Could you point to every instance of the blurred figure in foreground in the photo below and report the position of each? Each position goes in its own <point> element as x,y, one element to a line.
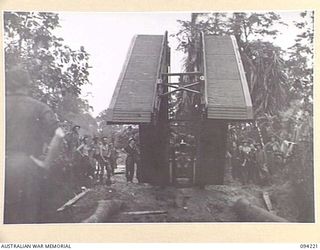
<point>29,125</point>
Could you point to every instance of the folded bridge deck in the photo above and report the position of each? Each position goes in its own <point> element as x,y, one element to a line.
<point>226,90</point>
<point>226,86</point>
<point>133,98</point>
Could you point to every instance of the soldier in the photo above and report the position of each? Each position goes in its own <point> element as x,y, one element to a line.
<point>262,167</point>
<point>84,168</point>
<point>235,160</point>
<point>246,162</point>
<point>272,150</point>
<point>132,155</point>
<point>113,157</point>
<point>73,141</point>
<point>29,125</point>
<point>105,153</point>
<point>96,157</point>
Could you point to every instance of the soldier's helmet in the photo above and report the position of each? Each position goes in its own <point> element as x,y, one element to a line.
<point>16,78</point>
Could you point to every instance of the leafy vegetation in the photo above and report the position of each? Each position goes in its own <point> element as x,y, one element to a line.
<point>57,71</point>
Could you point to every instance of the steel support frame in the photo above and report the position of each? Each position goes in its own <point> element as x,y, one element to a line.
<point>179,86</point>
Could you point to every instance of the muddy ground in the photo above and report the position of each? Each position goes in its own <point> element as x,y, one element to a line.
<point>212,204</point>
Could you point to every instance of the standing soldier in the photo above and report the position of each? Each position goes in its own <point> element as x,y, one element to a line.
<point>132,155</point>
<point>272,148</point>
<point>29,125</point>
<point>138,164</point>
<point>96,156</point>
<point>261,161</point>
<point>246,162</point>
<point>113,157</point>
<point>235,161</point>
<point>73,141</point>
<point>105,153</point>
<point>84,168</point>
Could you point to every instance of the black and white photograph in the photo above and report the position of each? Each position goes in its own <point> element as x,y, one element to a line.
<point>158,117</point>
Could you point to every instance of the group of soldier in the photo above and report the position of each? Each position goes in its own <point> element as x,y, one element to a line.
<point>90,158</point>
<point>257,163</point>
<point>94,160</point>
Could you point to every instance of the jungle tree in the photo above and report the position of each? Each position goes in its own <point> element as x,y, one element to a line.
<point>57,71</point>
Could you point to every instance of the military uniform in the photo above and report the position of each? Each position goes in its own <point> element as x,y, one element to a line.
<point>96,157</point>
<point>132,157</point>
<point>113,158</point>
<point>105,162</point>
<point>73,142</point>
<point>84,168</point>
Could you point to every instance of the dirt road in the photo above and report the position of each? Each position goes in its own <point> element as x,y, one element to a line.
<point>213,204</point>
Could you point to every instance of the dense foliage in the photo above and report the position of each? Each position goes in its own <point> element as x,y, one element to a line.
<point>57,71</point>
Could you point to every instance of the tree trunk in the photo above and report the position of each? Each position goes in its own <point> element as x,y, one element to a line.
<point>105,209</point>
<point>250,213</point>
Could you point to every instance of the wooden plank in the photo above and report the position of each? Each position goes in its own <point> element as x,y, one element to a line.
<point>235,117</point>
<point>71,202</point>
<point>115,122</point>
<point>228,95</point>
<point>162,68</point>
<point>267,200</point>
<point>128,119</point>
<point>211,115</point>
<point>205,71</point>
<point>230,113</point>
<point>227,113</point>
<point>213,110</point>
<point>222,67</point>
<point>228,117</point>
<point>227,107</point>
<point>133,111</point>
<point>122,73</point>
<point>135,89</point>
<point>134,114</point>
<point>243,78</point>
<point>220,46</point>
<point>131,118</point>
<point>145,212</point>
